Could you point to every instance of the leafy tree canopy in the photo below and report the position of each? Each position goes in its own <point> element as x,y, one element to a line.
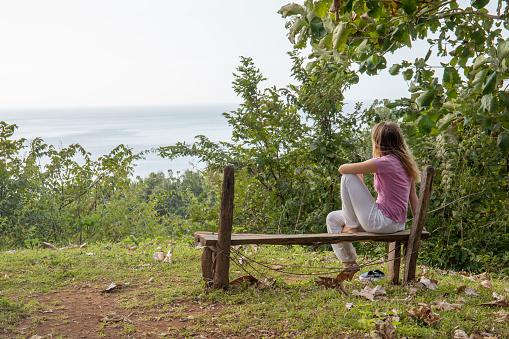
<point>470,41</point>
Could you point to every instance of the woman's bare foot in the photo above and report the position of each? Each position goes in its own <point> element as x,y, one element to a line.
<point>347,229</point>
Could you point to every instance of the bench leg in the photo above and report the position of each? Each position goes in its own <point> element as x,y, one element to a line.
<point>394,263</point>
<point>207,260</point>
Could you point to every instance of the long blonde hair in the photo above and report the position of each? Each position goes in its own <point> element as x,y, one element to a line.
<point>388,139</point>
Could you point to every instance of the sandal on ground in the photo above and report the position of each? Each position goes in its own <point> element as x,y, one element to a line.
<point>372,275</point>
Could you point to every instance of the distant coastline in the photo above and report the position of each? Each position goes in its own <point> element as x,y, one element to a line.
<point>100,129</point>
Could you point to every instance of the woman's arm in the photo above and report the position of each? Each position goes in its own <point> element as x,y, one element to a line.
<point>413,198</point>
<point>365,167</point>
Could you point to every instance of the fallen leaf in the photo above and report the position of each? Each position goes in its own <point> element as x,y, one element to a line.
<point>49,245</point>
<point>424,313</point>
<point>36,337</point>
<point>487,284</point>
<point>246,279</point>
<point>483,276</point>
<point>158,256</point>
<point>349,306</point>
<point>131,248</point>
<point>460,334</point>
<point>370,293</point>
<point>11,252</point>
<point>385,330</point>
<point>469,291</point>
<point>431,284</point>
<point>445,306</point>
<point>504,316</point>
<point>114,287</point>
<point>331,283</point>
<point>442,272</point>
<point>413,291</point>
<point>168,256</point>
<point>145,265</point>
<point>346,275</point>
<point>461,300</point>
<point>475,336</point>
<point>277,267</point>
<point>114,318</point>
<point>500,302</point>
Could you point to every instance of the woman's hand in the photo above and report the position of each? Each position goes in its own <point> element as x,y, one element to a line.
<point>365,167</point>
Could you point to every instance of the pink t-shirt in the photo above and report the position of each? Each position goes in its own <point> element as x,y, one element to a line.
<point>392,183</point>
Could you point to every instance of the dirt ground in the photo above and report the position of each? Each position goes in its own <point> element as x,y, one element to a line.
<point>85,312</point>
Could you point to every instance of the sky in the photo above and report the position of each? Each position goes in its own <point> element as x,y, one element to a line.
<point>90,53</point>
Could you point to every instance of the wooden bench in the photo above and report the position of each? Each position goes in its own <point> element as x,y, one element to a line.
<point>215,257</point>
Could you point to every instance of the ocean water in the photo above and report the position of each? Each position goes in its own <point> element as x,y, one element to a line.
<point>99,130</point>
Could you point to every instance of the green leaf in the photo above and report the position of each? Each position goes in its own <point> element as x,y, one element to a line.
<point>409,6</point>
<point>394,70</point>
<point>408,73</point>
<point>317,29</point>
<point>427,55</point>
<point>489,103</point>
<point>363,47</point>
<point>480,60</point>
<point>340,35</point>
<point>372,61</point>
<point>347,8</point>
<point>391,105</point>
<point>291,9</point>
<point>296,27</point>
<point>322,8</point>
<point>503,142</point>
<point>425,125</point>
<point>426,98</point>
<point>491,84</point>
<point>446,121</point>
<point>448,105</point>
<point>479,78</point>
<point>451,77</point>
<point>413,88</point>
<point>480,3</point>
<point>503,50</point>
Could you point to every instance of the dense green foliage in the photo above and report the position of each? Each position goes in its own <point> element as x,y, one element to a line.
<point>287,143</point>
<point>64,196</point>
<point>457,115</point>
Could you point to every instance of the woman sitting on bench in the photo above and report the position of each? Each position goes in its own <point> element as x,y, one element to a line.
<point>395,176</point>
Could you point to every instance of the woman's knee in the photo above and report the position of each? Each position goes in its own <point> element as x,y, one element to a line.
<point>334,221</point>
<point>348,177</point>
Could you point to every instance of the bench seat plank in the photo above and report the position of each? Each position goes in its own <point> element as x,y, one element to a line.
<point>210,238</point>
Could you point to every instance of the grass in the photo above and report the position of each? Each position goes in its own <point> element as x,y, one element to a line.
<point>175,297</point>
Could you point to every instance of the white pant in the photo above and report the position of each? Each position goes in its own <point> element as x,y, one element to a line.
<point>359,211</point>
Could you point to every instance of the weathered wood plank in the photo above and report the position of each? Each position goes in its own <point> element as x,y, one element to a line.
<point>207,259</point>
<point>222,269</point>
<point>210,238</point>
<point>414,240</point>
<point>394,263</point>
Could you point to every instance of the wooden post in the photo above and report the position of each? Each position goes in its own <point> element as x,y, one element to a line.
<point>221,274</point>
<point>394,263</point>
<point>414,239</point>
<point>207,259</point>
